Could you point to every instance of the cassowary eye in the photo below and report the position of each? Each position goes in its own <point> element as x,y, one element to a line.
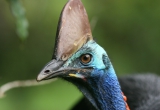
<point>85,58</point>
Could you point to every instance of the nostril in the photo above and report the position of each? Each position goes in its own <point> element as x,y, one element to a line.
<point>47,71</point>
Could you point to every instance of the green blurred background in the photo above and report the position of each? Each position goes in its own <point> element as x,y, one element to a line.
<point>128,29</point>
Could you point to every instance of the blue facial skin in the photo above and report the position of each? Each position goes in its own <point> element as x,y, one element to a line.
<point>101,86</point>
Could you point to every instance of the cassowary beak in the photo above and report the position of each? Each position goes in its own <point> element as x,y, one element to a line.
<point>51,70</point>
<point>56,69</point>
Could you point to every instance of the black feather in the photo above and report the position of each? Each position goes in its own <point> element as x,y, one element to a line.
<point>142,91</point>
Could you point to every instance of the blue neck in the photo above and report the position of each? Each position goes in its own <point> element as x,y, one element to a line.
<point>100,86</point>
<point>106,89</point>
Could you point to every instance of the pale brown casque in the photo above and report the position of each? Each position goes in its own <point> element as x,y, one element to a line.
<point>73,30</point>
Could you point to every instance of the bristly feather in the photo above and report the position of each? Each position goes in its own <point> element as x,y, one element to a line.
<point>142,91</point>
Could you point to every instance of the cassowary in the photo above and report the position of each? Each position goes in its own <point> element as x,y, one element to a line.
<point>80,60</point>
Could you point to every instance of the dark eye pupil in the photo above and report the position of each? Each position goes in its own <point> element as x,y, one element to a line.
<point>86,58</point>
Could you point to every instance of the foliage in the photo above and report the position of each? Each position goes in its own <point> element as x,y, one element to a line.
<point>19,13</point>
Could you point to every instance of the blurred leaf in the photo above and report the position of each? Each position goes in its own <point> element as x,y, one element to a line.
<point>19,13</point>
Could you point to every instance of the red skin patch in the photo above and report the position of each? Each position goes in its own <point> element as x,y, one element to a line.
<point>125,99</point>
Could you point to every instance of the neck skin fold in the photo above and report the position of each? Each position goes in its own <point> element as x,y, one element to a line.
<point>106,90</point>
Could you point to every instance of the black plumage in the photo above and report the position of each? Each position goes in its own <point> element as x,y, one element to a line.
<point>142,91</point>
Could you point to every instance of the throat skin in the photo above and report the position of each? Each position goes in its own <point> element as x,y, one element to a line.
<point>106,90</point>
<point>102,90</point>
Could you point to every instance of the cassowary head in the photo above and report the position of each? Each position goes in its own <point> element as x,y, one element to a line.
<point>79,59</point>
